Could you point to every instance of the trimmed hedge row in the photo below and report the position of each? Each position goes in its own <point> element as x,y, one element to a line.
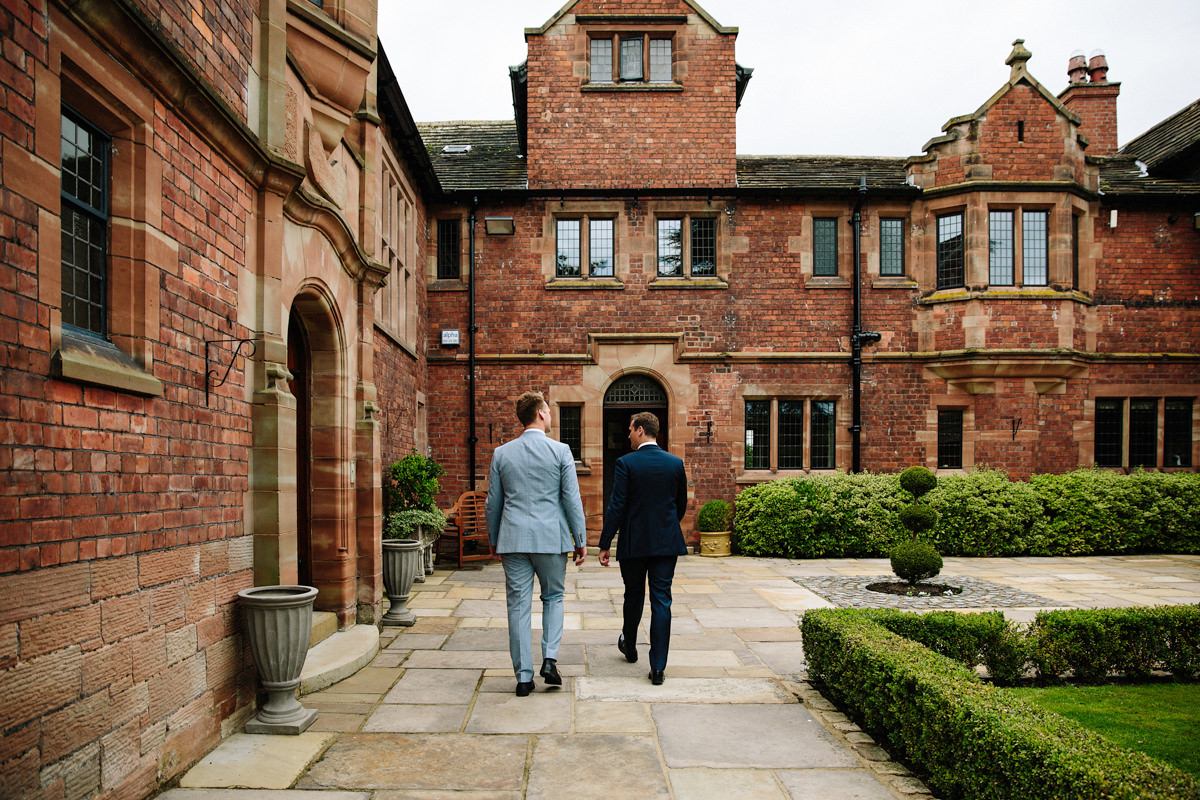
<point>1091,643</point>
<point>983,513</point>
<point>967,737</point>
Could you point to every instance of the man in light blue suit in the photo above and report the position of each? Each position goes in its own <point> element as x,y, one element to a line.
<point>535,518</point>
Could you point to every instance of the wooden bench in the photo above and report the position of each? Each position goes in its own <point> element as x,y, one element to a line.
<point>466,537</point>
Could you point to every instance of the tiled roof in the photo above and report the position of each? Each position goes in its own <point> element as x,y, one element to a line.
<point>493,162</point>
<point>1168,139</point>
<point>1122,175</point>
<point>820,172</point>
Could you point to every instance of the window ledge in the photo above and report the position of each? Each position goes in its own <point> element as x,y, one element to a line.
<point>764,475</point>
<point>688,283</point>
<point>447,286</point>
<point>894,282</point>
<point>585,284</point>
<point>1032,293</point>
<point>826,282</point>
<point>631,87</point>
<point>100,363</point>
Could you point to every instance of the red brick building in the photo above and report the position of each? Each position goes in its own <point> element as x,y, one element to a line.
<point>236,279</point>
<point>1019,296</point>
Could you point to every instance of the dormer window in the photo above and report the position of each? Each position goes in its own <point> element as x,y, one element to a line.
<point>640,59</point>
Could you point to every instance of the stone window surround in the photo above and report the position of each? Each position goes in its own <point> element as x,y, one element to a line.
<point>585,245</point>
<point>1018,242</point>
<point>929,436</point>
<point>1064,208</point>
<point>89,81</point>
<point>614,28</point>
<point>774,393</point>
<point>396,313</point>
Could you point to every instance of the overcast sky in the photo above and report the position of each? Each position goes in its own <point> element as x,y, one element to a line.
<point>868,77</point>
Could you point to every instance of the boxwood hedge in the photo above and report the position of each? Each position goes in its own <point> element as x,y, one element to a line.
<point>967,738</point>
<point>1086,512</point>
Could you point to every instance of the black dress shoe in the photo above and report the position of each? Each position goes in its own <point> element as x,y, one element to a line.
<point>550,672</point>
<point>656,677</point>
<point>523,689</point>
<point>629,651</point>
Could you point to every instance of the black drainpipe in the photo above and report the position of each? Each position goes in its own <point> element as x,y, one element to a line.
<point>858,336</point>
<point>472,439</point>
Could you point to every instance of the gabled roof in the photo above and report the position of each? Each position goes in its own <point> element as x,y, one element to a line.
<point>1019,73</point>
<point>562,12</point>
<point>1174,139</point>
<point>483,156</point>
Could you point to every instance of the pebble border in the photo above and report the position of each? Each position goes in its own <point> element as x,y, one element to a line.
<point>850,591</point>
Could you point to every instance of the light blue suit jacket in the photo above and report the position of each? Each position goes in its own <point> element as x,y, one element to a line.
<point>533,503</point>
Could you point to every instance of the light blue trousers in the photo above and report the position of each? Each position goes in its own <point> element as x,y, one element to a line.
<point>551,571</point>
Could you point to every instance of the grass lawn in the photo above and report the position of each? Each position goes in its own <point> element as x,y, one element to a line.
<point>1161,720</point>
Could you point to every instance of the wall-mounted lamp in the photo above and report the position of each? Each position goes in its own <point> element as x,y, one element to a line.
<point>1196,222</point>
<point>499,226</point>
<point>634,208</point>
<point>707,432</point>
<point>730,216</point>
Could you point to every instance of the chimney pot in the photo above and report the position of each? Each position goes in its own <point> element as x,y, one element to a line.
<point>1077,67</point>
<point>1097,67</point>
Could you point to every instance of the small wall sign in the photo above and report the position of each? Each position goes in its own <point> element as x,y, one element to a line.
<point>450,338</point>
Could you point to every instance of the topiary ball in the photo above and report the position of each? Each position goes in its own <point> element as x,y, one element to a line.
<point>915,561</point>
<point>917,481</point>
<point>713,517</point>
<point>918,517</point>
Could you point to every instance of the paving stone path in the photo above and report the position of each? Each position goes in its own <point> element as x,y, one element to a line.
<point>434,714</point>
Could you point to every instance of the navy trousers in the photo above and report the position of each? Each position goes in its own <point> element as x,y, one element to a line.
<point>658,571</point>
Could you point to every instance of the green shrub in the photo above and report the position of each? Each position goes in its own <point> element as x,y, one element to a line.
<point>918,518</point>
<point>713,516</point>
<point>980,514</point>
<point>986,514</point>
<point>968,739</point>
<point>411,483</point>
<point>915,561</point>
<point>1092,643</point>
<point>917,481</point>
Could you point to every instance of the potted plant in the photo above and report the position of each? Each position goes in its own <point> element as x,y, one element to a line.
<point>410,488</point>
<point>713,524</point>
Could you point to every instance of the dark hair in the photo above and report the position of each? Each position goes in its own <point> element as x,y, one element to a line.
<point>647,422</point>
<point>528,406</point>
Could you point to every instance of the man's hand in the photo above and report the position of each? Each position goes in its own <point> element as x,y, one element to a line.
<point>580,556</point>
<point>604,558</point>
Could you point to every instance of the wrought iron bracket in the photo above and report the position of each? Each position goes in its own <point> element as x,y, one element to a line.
<point>210,375</point>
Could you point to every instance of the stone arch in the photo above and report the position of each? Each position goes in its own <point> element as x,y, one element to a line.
<point>321,384</point>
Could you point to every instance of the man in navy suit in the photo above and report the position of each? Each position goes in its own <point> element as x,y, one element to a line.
<point>534,518</point>
<point>649,498</point>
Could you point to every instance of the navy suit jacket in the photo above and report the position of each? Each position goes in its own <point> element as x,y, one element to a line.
<point>649,498</point>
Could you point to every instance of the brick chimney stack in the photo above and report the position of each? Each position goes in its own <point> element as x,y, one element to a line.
<point>1094,99</point>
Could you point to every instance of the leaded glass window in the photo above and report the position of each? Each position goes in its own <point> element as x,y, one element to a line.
<point>85,174</point>
<point>602,61</point>
<point>758,434</point>
<point>704,246</point>
<point>824,434</point>
<point>950,438</point>
<point>825,247</point>
<point>1000,248</point>
<point>660,60</point>
<point>791,434</point>
<point>635,390</point>
<point>631,59</point>
<point>1036,250</point>
<point>449,243</point>
<point>1143,432</point>
<point>567,260</point>
<point>1177,432</point>
<point>891,247</point>
<point>670,247</point>
<point>951,264</point>
<point>600,248</point>
<point>1110,432</point>
<point>570,429</point>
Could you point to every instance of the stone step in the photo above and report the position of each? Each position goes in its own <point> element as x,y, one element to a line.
<point>324,626</point>
<point>338,656</point>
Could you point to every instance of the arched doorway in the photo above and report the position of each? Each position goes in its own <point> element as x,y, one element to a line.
<point>627,396</point>
<point>299,363</point>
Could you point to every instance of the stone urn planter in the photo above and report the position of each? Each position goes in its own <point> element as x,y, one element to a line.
<point>712,523</point>
<point>714,543</point>
<point>401,558</point>
<point>279,625</point>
